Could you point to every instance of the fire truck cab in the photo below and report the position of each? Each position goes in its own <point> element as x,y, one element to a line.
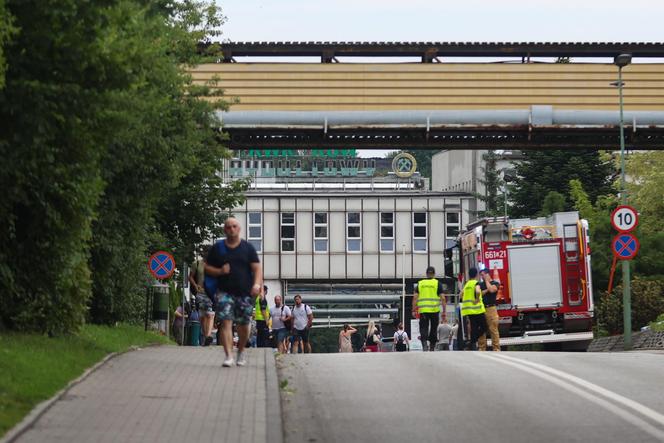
<point>544,269</point>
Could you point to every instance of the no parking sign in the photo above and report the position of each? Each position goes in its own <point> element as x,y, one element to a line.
<point>161,265</point>
<point>625,246</point>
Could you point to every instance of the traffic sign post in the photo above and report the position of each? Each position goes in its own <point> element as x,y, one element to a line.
<point>625,219</point>
<point>161,265</point>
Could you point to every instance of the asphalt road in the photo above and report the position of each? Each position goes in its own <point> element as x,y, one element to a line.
<point>473,397</point>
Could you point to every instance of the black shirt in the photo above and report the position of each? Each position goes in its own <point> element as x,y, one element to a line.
<point>489,298</point>
<point>240,280</point>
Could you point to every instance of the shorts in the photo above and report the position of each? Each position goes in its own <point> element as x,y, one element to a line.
<point>205,305</point>
<point>303,334</point>
<point>280,334</point>
<point>235,308</point>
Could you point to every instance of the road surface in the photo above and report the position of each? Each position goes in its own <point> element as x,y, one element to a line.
<point>473,397</point>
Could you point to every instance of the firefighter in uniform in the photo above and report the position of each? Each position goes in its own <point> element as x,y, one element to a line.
<point>261,316</point>
<point>473,309</point>
<point>428,299</point>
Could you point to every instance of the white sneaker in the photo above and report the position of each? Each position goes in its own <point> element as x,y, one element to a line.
<point>241,359</point>
<point>228,362</point>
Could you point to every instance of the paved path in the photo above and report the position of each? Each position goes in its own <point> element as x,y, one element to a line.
<point>509,397</point>
<point>168,394</point>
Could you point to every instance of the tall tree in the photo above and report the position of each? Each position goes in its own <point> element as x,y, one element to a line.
<point>161,171</point>
<point>551,170</point>
<point>102,126</point>
<point>58,72</point>
<point>492,182</point>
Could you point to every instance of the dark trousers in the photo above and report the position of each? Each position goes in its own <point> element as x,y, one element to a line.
<point>262,334</point>
<point>477,329</point>
<point>429,328</point>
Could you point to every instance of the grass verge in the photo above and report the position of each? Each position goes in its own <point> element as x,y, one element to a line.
<point>35,367</point>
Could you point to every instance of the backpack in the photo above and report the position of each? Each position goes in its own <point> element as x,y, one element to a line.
<point>288,324</point>
<point>400,345</point>
<point>210,284</point>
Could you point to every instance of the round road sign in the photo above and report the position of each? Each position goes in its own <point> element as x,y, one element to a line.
<point>624,218</point>
<point>161,265</point>
<point>625,246</point>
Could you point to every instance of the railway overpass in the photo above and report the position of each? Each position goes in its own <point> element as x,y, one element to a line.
<point>450,97</point>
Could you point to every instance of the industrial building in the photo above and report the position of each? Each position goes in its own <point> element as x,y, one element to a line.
<point>337,234</point>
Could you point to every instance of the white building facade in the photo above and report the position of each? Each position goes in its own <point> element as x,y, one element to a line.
<point>341,236</point>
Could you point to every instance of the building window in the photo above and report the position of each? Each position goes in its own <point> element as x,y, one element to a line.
<point>452,226</point>
<point>288,232</point>
<point>320,232</point>
<point>255,231</point>
<point>419,232</point>
<point>387,232</point>
<point>353,232</point>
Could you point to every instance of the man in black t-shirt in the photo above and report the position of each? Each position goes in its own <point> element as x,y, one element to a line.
<point>240,279</point>
<point>489,289</point>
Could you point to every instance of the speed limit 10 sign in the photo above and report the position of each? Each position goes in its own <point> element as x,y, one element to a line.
<point>624,218</point>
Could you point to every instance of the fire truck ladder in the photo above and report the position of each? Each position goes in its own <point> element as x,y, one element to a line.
<point>571,249</point>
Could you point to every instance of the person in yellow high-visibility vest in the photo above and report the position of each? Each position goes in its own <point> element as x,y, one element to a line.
<point>428,299</point>
<point>472,308</point>
<point>261,315</point>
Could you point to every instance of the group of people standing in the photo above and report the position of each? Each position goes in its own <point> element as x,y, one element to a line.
<point>228,285</point>
<point>371,343</point>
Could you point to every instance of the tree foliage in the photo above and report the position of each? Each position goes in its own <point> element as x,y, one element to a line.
<point>544,171</point>
<point>554,201</point>
<point>645,187</point>
<point>106,134</point>
<point>7,29</point>
<point>492,182</point>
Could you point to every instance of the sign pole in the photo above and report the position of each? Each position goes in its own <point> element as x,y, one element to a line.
<point>613,271</point>
<point>627,299</point>
<point>403,285</point>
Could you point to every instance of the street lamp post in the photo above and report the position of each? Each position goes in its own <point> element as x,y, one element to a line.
<point>621,61</point>
<point>403,285</point>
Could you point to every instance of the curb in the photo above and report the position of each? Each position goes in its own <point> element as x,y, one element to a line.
<point>273,398</point>
<point>38,411</point>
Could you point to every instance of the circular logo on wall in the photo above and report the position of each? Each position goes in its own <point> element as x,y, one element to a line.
<point>404,165</point>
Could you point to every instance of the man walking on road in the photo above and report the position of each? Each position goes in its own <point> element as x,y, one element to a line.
<point>489,288</point>
<point>428,299</point>
<point>303,318</point>
<point>240,280</point>
<point>280,314</point>
<point>472,308</point>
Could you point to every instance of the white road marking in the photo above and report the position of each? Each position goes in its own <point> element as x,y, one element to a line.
<point>555,376</point>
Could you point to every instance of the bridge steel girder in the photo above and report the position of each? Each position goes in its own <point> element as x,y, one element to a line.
<point>428,51</point>
<point>513,137</point>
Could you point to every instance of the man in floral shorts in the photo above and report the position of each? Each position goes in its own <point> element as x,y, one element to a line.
<point>240,279</point>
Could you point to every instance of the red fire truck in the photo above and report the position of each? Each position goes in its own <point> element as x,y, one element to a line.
<point>543,265</point>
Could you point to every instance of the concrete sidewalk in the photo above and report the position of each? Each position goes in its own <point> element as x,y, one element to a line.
<point>168,394</point>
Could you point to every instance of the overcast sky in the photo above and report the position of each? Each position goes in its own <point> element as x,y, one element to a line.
<point>443,20</point>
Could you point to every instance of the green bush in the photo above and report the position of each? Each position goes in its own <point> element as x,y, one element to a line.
<point>647,301</point>
<point>658,324</point>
